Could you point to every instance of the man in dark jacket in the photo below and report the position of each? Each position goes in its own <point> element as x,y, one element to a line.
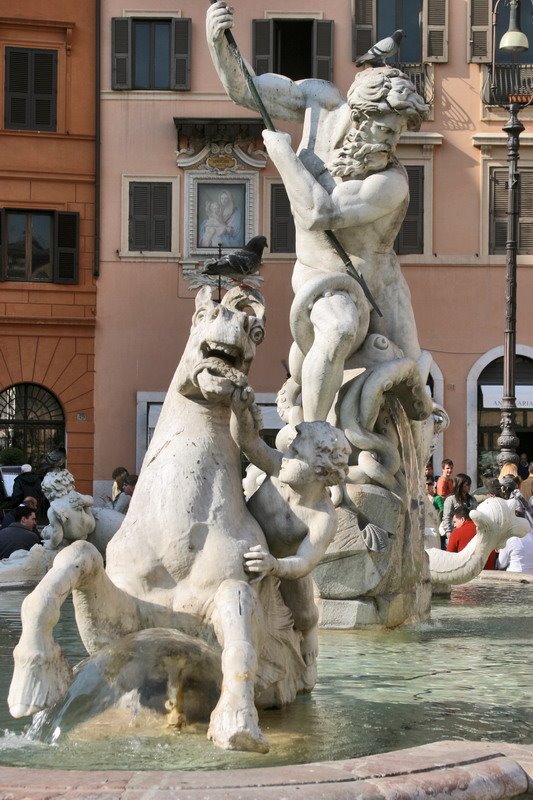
<point>19,535</point>
<point>9,519</point>
<point>26,484</point>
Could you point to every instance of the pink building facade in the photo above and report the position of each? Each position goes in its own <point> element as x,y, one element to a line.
<point>172,144</point>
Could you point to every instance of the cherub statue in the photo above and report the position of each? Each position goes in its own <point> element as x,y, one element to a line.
<point>293,507</point>
<point>69,515</point>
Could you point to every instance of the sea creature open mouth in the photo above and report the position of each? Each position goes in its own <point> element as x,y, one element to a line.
<point>230,355</point>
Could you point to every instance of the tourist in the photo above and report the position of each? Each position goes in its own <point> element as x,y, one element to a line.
<point>20,534</point>
<point>526,487</point>
<point>122,503</point>
<point>523,466</point>
<point>463,532</point>
<point>445,484</point>
<point>26,484</point>
<point>460,497</point>
<point>517,555</point>
<point>360,190</point>
<point>9,518</point>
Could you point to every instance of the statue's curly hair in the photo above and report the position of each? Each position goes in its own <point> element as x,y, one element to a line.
<point>57,483</point>
<point>387,89</point>
<point>332,449</point>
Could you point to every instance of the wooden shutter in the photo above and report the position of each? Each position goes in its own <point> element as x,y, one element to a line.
<point>161,200</point>
<point>322,49</point>
<point>435,40</point>
<point>3,245</point>
<point>282,233</point>
<point>480,31</point>
<point>525,220</point>
<point>17,99</point>
<point>263,45</point>
<point>139,216</point>
<point>66,240</point>
<point>410,239</point>
<point>44,80</point>
<point>180,55</point>
<point>363,27</point>
<point>498,211</point>
<point>121,53</point>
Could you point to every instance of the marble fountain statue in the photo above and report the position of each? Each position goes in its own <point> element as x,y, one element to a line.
<point>208,599</point>
<point>71,517</point>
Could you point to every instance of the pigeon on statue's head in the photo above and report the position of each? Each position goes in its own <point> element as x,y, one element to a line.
<point>382,50</point>
<point>244,261</point>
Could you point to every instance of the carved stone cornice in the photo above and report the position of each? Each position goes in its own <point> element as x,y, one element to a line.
<point>220,144</point>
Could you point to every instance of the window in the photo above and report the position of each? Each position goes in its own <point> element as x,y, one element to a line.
<point>480,38</point>
<point>498,211</point>
<point>39,246</point>
<point>150,210</point>
<point>410,239</point>
<point>31,89</point>
<point>151,54</point>
<point>282,233</point>
<point>293,47</point>
<point>424,21</point>
<point>31,419</point>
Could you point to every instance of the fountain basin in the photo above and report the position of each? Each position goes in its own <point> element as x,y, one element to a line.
<point>466,675</point>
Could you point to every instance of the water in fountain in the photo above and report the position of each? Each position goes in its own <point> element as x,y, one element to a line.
<point>466,674</point>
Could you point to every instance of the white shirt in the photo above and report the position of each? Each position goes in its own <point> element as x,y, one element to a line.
<point>517,555</point>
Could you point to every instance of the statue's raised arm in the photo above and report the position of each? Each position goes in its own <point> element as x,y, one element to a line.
<point>283,98</point>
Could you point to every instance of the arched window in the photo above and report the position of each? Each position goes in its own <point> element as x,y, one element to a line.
<point>31,419</point>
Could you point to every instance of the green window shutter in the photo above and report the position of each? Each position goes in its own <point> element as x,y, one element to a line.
<point>410,239</point>
<point>121,53</point>
<point>139,216</point>
<point>161,201</point>
<point>150,216</point>
<point>282,233</point>
<point>44,90</point>
<point>498,211</point>
<point>322,49</point>
<point>3,245</point>
<point>17,97</point>
<point>363,27</point>
<point>435,48</point>
<point>263,45</point>
<point>180,56</point>
<point>525,219</point>
<point>66,249</point>
<point>480,31</point>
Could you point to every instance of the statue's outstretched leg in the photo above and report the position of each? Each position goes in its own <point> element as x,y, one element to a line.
<point>234,723</point>
<point>42,674</point>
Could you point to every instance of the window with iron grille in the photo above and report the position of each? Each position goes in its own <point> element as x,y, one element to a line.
<point>30,89</point>
<point>498,211</point>
<point>150,210</point>
<point>39,246</point>
<point>151,54</point>
<point>293,47</point>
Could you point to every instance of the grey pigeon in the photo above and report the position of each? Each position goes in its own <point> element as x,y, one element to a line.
<point>382,50</point>
<point>243,261</point>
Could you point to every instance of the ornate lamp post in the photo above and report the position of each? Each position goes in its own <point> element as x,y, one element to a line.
<point>513,99</point>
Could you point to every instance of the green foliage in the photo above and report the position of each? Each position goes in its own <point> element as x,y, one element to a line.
<point>11,456</point>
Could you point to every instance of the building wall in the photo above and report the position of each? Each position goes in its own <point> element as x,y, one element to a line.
<point>47,329</point>
<point>145,306</point>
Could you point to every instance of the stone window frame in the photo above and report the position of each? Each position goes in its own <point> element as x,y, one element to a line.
<point>149,255</point>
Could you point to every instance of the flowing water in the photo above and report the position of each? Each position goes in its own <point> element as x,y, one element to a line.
<point>466,674</point>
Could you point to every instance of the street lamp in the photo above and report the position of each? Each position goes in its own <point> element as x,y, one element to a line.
<point>514,98</point>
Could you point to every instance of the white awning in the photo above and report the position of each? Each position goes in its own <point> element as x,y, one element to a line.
<point>492,396</point>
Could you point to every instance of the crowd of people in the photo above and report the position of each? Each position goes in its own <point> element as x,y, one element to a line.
<point>450,501</point>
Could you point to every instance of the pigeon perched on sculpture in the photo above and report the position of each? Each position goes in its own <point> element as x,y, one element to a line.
<point>381,51</point>
<point>243,261</point>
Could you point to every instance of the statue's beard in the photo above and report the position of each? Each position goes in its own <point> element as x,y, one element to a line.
<point>357,158</point>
